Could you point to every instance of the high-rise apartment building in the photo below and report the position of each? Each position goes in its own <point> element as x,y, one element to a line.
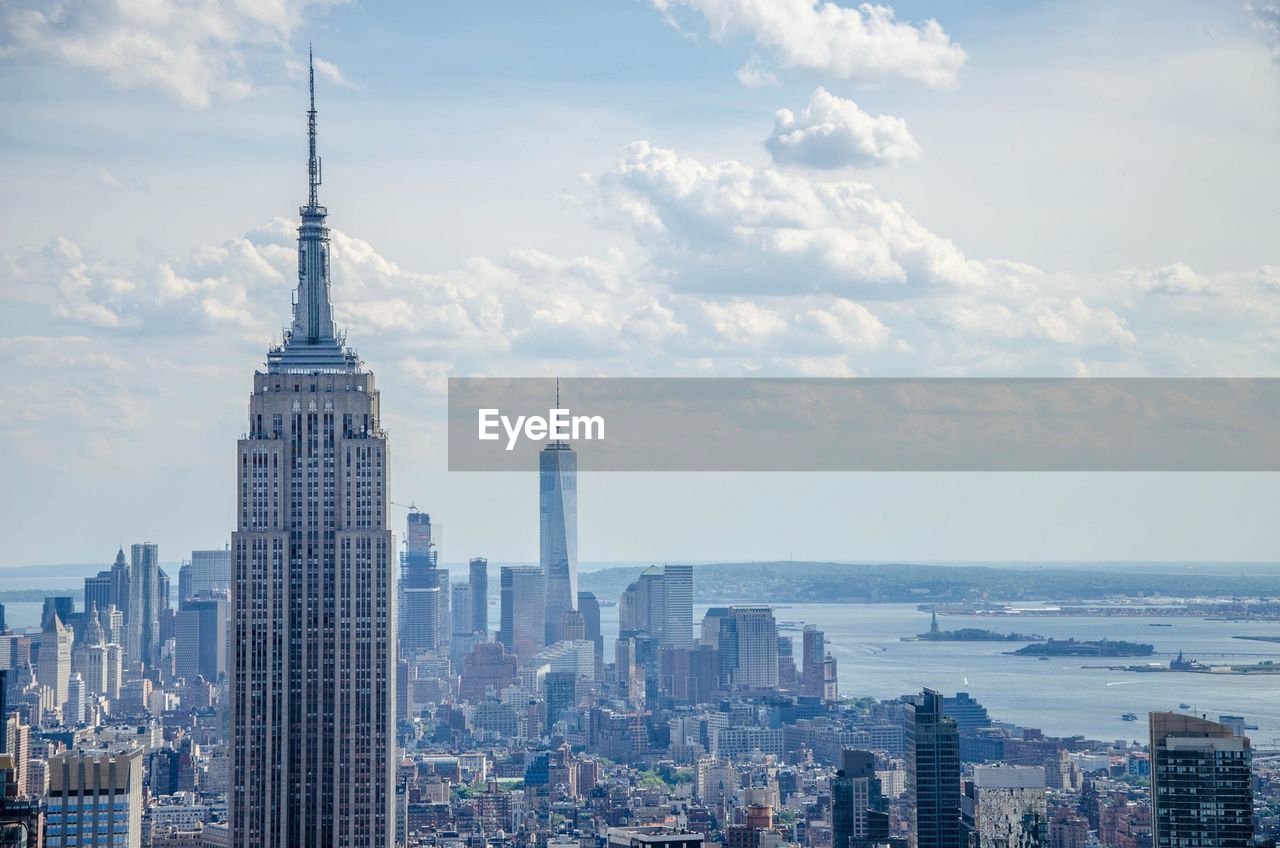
<point>478,580</point>
<point>1201,786</point>
<point>558,532</point>
<point>521,610</point>
<point>95,800</point>
<point>933,774</point>
<point>1005,807</point>
<point>143,618</point>
<point>313,587</point>
<point>859,810</point>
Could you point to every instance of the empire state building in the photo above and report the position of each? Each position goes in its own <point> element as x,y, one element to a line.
<point>313,686</point>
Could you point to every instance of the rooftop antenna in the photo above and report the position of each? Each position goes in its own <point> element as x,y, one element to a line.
<point>557,392</point>
<point>313,164</point>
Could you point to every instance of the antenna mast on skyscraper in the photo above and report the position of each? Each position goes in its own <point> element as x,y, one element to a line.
<point>313,164</point>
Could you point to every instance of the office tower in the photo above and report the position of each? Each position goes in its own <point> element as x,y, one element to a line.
<point>210,571</point>
<point>521,610</point>
<point>164,592</point>
<point>95,800</point>
<point>651,602</point>
<point>143,618</point>
<point>720,633</point>
<point>55,659</point>
<point>487,670</point>
<point>63,607</point>
<point>786,663</point>
<point>753,635</point>
<point>1005,807</point>
<point>184,584</point>
<point>859,810</point>
<point>933,774</point>
<point>77,700</point>
<point>590,609</point>
<point>462,609</point>
<point>558,530</point>
<point>313,663</point>
<point>200,644</point>
<point>813,651</point>
<point>87,658</point>
<point>677,630</point>
<point>1200,784</point>
<point>119,584</point>
<point>478,579</point>
<point>660,603</point>
<point>561,689</point>
<point>419,624</point>
<point>463,638</point>
<point>97,591</point>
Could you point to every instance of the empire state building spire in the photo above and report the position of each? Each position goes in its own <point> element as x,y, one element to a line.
<point>312,343</point>
<point>313,596</point>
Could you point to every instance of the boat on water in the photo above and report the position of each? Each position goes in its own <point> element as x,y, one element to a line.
<point>1130,716</point>
<point>1044,659</point>
<point>1184,706</point>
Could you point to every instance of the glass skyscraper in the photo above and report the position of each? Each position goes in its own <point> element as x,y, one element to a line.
<point>558,532</point>
<point>933,774</point>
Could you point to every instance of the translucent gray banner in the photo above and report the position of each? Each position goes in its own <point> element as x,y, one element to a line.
<point>749,424</point>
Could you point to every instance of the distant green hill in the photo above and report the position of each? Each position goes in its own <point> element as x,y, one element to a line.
<point>818,582</point>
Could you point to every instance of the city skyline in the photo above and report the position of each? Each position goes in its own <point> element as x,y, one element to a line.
<point>1057,275</point>
<point>724,189</point>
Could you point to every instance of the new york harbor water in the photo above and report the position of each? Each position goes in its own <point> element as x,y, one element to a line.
<point>1061,696</point>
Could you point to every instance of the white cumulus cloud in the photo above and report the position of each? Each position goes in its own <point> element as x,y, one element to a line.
<point>865,44</point>
<point>1266,20</point>
<point>192,52</point>
<point>832,132</point>
<point>727,226</point>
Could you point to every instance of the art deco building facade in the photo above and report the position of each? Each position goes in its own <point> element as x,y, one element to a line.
<point>313,666</point>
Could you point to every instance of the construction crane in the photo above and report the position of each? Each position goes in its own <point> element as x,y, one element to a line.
<point>412,506</point>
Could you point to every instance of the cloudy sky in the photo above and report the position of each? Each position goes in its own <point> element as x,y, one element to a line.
<point>633,187</point>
